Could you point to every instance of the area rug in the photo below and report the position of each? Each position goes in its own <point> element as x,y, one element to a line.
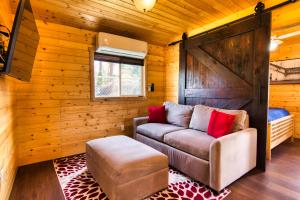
<point>77,183</point>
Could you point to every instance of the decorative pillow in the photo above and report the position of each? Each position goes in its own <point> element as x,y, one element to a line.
<point>201,117</point>
<point>157,114</point>
<point>220,124</point>
<point>179,115</point>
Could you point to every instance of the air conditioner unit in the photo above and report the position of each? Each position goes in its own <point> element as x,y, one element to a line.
<point>121,46</point>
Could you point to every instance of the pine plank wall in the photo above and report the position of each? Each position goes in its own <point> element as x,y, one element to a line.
<point>172,72</point>
<point>7,101</point>
<point>287,96</point>
<point>54,114</point>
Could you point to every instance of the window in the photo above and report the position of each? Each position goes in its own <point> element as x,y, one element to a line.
<point>115,76</point>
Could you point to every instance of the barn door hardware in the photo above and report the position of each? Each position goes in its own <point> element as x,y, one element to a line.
<point>259,8</point>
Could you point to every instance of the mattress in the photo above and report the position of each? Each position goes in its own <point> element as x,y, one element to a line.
<point>277,113</point>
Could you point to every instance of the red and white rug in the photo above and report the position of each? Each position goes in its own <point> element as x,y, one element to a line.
<point>78,184</point>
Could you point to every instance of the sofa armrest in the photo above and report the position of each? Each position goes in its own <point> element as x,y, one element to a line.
<point>138,121</point>
<point>231,157</point>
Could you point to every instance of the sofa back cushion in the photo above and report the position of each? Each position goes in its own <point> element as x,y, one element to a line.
<point>177,114</point>
<point>201,116</point>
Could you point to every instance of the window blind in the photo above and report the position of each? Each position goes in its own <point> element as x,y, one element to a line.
<point>118,59</point>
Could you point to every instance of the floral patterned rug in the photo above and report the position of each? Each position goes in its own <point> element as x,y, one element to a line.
<point>77,183</point>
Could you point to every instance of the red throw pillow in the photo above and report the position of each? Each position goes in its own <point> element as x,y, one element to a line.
<point>157,114</point>
<point>220,124</point>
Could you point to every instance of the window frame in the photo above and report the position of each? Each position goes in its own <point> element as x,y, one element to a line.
<point>124,97</point>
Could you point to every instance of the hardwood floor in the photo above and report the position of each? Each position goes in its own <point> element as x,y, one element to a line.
<point>36,182</point>
<point>281,181</point>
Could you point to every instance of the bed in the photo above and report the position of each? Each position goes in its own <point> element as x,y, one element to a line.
<point>280,128</point>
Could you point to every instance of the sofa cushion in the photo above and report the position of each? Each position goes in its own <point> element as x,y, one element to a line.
<point>156,130</point>
<point>201,117</point>
<point>178,114</point>
<point>191,141</point>
<point>220,124</point>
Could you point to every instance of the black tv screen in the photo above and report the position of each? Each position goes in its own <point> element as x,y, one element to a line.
<point>23,43</point>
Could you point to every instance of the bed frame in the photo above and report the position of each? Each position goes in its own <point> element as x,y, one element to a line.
<point>278,131</point>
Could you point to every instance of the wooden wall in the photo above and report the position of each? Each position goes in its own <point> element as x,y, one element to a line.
<point>55,116</point>
<point>286,20</point>
<point>7,140</point>
<point>172,72</point>
<point>287,96</point>
<point>289,49</point>
<point>7,100</point>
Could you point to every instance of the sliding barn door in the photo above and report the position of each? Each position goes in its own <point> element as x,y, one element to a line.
<point>228,68</point>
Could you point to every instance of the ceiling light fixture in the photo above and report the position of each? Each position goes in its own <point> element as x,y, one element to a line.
<point>144,5</point>
<point>274,44</point>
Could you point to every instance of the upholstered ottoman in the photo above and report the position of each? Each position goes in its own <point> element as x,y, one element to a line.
<point>125,168</point>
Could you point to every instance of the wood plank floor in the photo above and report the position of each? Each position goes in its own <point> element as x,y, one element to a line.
<point>36,182</point>
<point>281,181</point>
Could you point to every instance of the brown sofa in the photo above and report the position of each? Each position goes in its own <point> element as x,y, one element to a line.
<point>213,162</point>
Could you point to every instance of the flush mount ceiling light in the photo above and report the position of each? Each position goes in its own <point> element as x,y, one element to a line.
<point>276,41</point>
<point>274,44</point>
<point>144,5</point>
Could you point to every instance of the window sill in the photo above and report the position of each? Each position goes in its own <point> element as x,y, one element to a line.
<point>119,99</point>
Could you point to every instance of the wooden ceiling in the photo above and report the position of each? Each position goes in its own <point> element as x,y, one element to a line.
<point>167,20</point>
<point>286,20</point>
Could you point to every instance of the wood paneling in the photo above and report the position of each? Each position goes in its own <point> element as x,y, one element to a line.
<point>287,96</point>
<point>163,24</point>
<point>7,140</point>
<point>172,72</point>
<point>168,19</point>
<point>5,14</point>
<point>286,20</point>
<point>278,21</point>
<point>7,101</point>
<point>289,49</point>
<point>54,114</point>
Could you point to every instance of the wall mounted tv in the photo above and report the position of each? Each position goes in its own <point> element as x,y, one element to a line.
<point>23,43</point>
